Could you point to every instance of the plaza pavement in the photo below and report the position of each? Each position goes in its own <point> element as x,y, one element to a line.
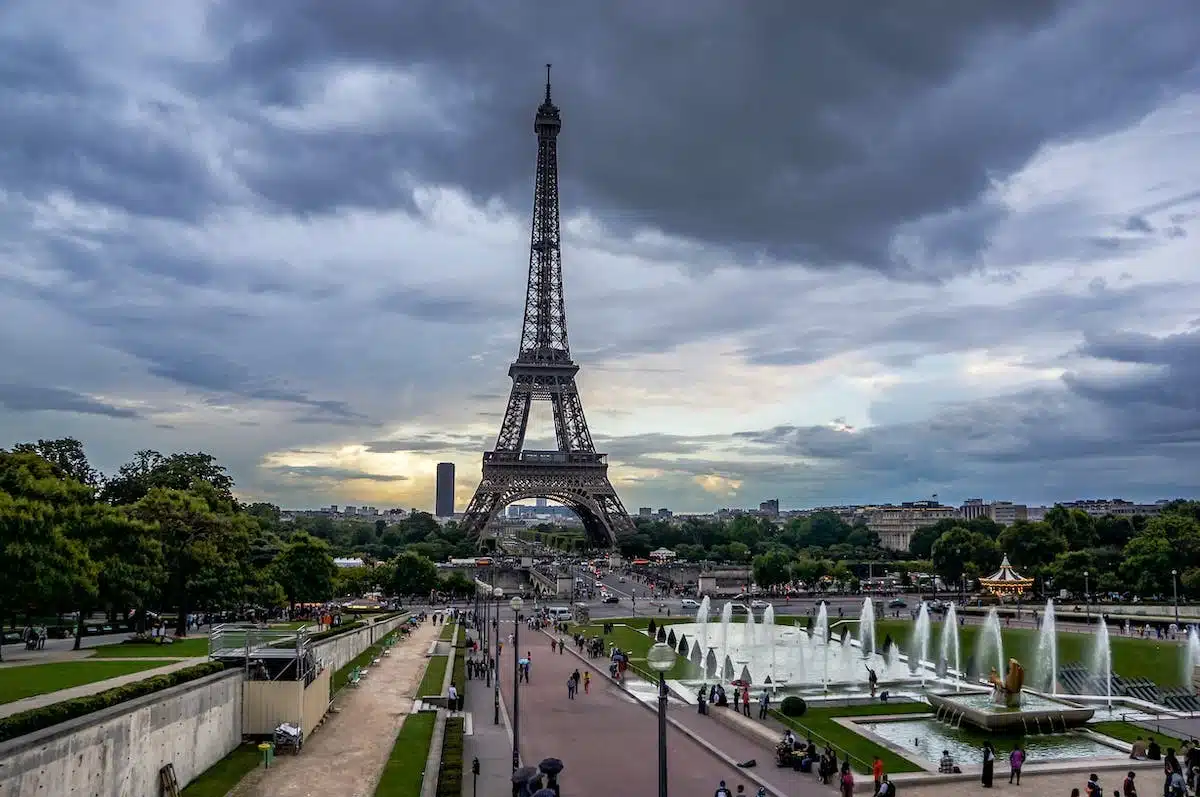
<point>607,742</point>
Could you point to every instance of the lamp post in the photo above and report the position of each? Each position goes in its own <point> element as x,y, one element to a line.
<point>1175,589</point>
<point>516,604</point>
<point>661,658</point>
<point>497,594</point>
<point>1087,599</point>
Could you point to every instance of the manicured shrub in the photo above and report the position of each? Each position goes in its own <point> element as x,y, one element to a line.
<point>662,634</point>
<point>682,647</point>
<point>652,629</point>
<point>451,771</point>
<point>671,638</point>
<point>793,706</point>
<point>36,719</point>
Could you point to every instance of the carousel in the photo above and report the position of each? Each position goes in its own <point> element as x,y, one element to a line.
<point>1006,582</point>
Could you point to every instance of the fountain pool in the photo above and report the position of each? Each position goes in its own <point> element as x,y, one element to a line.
<point>927,738</point>
<point>1036,712</point>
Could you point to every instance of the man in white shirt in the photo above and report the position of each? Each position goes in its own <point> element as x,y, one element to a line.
<point>452,702</point>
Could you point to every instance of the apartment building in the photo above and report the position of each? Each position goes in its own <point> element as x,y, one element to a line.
<point>895,525</point>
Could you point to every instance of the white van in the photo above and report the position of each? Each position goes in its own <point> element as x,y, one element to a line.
<point>560,614</point>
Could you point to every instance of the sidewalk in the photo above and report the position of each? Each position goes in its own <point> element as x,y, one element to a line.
<point>50,698</point>
<point>607,742</point>
<point>489,742</point>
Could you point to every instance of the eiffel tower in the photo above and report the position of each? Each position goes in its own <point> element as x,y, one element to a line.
<point>573,474</point>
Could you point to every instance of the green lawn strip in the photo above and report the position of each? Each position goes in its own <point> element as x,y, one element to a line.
<point>435,673</point>
<point>219,779</point>
<point>450,773</point>
<point>818,724</point>
<point>637,644</point>
<point>183,648</point>
<point>1128,732</point>
<point>447,632</point>
<point>458,676</point>
<point>342,676</point>
<point>405,767</point>
<point>30,680</point>
<point>1132,657</point>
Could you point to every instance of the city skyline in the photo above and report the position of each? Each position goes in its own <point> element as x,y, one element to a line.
<point>823,262</point>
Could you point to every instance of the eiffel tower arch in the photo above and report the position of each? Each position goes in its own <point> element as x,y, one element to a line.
<point>573,474</point>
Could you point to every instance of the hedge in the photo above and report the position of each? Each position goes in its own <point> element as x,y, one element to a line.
<point>337,630</point>
<point>36,719</point>
<point>450,774</point>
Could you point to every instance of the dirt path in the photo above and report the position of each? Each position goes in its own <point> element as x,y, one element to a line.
<point>346,755</point>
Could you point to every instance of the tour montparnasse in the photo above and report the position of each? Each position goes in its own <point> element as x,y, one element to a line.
<point>572,474</point>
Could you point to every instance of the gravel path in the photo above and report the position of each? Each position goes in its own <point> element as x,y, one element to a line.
<point>346,755</point>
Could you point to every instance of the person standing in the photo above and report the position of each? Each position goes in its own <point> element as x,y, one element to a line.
<point>764,704</point>
<point>1016,759</point>
<point>587,682</point>
<point>452,699</point>
<point>570,687</point>
<point>989,764</point>
<point>847,780</point>
<point>877,772</point>
<point>746,701</point>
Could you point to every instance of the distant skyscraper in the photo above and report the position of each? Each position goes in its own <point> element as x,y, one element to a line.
<point>444,500</point>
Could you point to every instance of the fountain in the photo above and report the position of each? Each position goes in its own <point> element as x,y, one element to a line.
<point>950,645</point>
<point>751,635</point>
<point>768,635</point>
<point>1102,660</point>
<point>920,647</point>
<point>1047,651</point>
<point>1008,708</point>
<point>702,623</point>
<point>723,631</point>
<point>866,628</point>
<point>991,644</point>
<point>1191,664</point>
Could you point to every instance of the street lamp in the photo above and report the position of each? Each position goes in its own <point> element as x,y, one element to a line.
<point>516,604</point>
<point>1175,589</point>
<point>1087,599</point>
<point>497,594</point>
<point>661,657</point>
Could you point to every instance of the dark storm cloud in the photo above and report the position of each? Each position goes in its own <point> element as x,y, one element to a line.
<point>316,472</point>
<point>32,398</point>
<point>811,131</point>
<point>64,128</point>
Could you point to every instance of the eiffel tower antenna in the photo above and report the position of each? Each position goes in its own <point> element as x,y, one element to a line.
<point>572,474</point>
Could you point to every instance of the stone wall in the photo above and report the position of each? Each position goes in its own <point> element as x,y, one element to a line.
<point>340,650</point>
<point>118,752</point>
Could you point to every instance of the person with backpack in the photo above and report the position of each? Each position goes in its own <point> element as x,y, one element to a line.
<point>723,791</point>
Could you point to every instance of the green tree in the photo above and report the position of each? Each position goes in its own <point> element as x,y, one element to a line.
<point>772,568</point>
<point>961,552</point>
<point>150,469</point>
<point>66,454</point>
<point>305,570</point>
<point>1031,545</point>
<point>128,557</point>
<point>413,574</point>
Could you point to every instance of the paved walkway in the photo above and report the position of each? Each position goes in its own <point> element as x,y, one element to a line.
<point>37,701</point>
<point>490,742</point>
<point>1057,785</point>
<point>607,742</point>
<point>346,755</point>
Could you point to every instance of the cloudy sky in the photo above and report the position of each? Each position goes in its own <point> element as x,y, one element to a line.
<point>810,253</point>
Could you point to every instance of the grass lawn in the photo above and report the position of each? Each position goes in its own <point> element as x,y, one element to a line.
<point>183,649</point>
<point>817,724</point>
<point>435,673</point>
<point>17,683</point>
<point>340,677</point>
<point>221,777</point>
<point>1128,732</point>
<point>405,767</point>
<point>447,632</point>
<point>636,644</point>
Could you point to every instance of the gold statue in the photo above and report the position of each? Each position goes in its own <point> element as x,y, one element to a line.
<point>1008,691</point>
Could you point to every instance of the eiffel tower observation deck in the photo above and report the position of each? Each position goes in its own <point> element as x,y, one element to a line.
<point>574,474</point>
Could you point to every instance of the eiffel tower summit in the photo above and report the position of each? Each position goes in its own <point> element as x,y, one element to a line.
<point>573,474</point>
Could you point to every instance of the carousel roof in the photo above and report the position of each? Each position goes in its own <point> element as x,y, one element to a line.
<point>1006,575</point>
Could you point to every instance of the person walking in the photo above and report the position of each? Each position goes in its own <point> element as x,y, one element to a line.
<point>1016,759</point>
<point>571,687</point>
<point>452,699</point>
<point>746,701</point>
<point>877,772</point>
<point>847,780</point>
<point>989,764</point>
<point>764,704</point>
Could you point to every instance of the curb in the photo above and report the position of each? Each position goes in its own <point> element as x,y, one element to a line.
<point>750,774</point>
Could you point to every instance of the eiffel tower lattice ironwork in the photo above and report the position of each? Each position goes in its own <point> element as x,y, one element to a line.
<point>574,474</point>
